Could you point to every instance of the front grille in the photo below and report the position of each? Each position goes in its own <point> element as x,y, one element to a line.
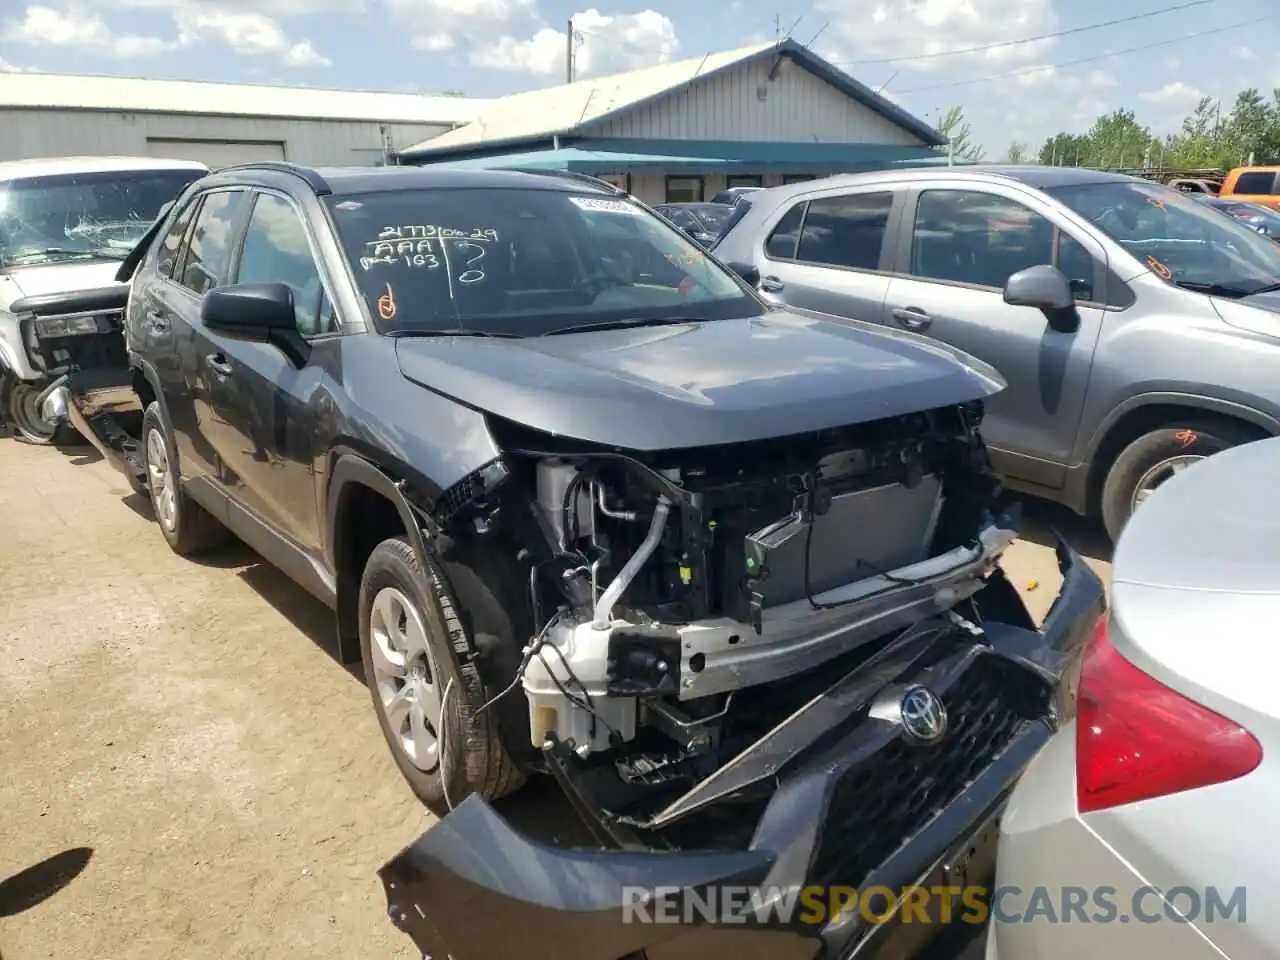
<point>883,801</point>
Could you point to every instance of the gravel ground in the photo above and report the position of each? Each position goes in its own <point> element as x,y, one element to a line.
<point>180,725</point>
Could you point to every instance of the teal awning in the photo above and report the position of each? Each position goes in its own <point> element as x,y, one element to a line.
<point>699,157</point>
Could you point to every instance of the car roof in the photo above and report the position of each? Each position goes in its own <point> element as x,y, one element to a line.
<point>57,166</point>
<point>348,181</point>
<point>1037,177</point>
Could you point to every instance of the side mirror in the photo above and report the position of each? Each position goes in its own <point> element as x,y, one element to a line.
<point>749,272</point>
<point>250,311</point>
<point>1047,289</point>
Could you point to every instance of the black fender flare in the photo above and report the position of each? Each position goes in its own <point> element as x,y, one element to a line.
<point>350,469</point>
<point>148,373</point>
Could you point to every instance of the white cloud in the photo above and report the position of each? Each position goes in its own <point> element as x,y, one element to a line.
<point>1176,93</point>
<point>248,34</point>
<point>196,21</point>
<point>879,30</point>
<point>7,67</point>
<point>1245,53</point>
<point>464,24</point>
<point>606,43</point>
<point>41,25</point>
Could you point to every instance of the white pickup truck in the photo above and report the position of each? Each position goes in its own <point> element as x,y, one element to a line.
<point>65,225</point>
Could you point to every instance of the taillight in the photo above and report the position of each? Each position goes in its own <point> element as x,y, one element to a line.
<point>1137,739</point>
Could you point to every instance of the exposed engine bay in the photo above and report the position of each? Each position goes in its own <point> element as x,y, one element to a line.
<point>689,601</point>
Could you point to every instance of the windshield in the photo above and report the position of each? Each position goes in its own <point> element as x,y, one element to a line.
<point>1251,213</point>
<point>713,216</point>
<point>81,216</point>
<point>525,262</point>
<point>1179,239</point>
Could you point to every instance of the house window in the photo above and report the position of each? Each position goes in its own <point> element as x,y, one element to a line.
<point>797,177</point>
<point>684,189</point>
<point>744,180</point>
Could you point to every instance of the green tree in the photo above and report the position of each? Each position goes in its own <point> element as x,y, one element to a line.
<point>1117,140</point>
<point>1065,150</point>
<point>955,128</point>
<point>1017,153</point>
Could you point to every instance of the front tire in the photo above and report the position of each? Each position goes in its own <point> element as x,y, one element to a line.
<point>188,528</point>
<point>1154,457</point>
<point>409,633</point>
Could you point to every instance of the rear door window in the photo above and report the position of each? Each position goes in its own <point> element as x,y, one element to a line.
<point>171,244</point>
<point>1258,183</point>
<point>782,242</point>
<point>847,231</point>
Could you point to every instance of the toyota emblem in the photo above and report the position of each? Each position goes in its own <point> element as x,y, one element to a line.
<point>924,717</point>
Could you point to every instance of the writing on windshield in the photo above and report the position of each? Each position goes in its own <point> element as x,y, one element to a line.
<point>428,247</point>
<point>520,262</point>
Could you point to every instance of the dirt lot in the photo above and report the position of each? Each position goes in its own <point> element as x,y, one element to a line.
<point>183,723</point>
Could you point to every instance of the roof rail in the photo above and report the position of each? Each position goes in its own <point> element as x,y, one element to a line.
<point>569,175</point>
<point>313,179</point>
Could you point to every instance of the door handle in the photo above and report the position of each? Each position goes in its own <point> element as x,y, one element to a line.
<point>771,285</point>
<point>218,364</point>
<point>157,321</point>
<point>913,318</point>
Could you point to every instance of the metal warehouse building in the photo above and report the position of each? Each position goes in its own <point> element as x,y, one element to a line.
<point>756,116</point>
<point>45,115</point>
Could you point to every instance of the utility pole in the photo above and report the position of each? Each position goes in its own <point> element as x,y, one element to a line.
<point>569,52</point>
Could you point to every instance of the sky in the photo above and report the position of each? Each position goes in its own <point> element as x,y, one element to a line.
<point>920,53</point>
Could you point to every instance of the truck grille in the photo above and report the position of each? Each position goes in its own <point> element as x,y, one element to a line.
<point>883,801</point>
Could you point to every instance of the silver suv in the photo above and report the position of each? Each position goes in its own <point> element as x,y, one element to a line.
<point>1138,330</point>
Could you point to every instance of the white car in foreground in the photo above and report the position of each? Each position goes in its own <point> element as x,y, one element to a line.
<point>1147,828</point>
<point>64,226</point>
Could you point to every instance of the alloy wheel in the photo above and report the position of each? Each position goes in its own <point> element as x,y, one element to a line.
<point>406,677</point>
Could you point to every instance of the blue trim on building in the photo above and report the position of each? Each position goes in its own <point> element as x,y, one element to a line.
<point>701,156</point>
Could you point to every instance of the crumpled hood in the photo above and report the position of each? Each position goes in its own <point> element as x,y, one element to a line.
<point>700,383</point>
<point>56,278</point>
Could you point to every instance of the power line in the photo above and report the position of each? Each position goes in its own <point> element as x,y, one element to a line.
<point>1083,60</point>
<point>1036,39</point>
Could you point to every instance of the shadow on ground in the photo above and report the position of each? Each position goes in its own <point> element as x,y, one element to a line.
<point>1040,519</point>
<point>36,884</point>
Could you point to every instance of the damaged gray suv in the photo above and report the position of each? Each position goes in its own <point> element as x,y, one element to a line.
<point>587,507</point>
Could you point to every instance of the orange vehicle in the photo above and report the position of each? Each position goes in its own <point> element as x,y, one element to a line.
<point>1253,185</point>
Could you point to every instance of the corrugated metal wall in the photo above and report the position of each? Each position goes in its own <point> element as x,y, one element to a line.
<point>796,106</point>
<point>62,133</point>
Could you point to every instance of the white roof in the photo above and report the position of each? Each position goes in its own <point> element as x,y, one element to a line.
<point>138,95</point>
<point>55,166</point>
<point>542,113</point>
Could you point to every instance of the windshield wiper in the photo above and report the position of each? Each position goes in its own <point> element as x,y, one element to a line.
<point>1214,289</point>
<point>620,324</point>
<point>1265,288</point>
<point>67,252</point>
<point>456,332</point>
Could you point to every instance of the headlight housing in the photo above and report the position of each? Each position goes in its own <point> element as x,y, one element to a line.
<point>73,325</point>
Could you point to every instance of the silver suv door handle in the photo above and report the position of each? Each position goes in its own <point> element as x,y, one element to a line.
<point>913,318</point>
<point>770,285</point>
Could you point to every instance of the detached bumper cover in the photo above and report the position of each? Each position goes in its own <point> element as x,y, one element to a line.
<point>855,806</point>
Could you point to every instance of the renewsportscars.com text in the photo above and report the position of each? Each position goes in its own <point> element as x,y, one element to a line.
<point>941,904</point>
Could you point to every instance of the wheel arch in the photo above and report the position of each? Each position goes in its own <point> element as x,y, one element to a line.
<point>1148,412</point>
<point>364,506</point>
